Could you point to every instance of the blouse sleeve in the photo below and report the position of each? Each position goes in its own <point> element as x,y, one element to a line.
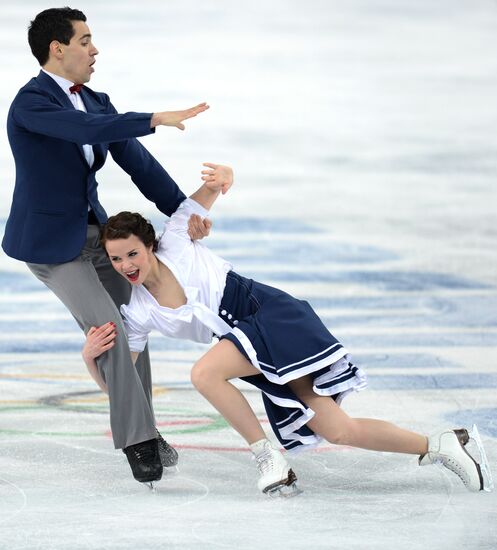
<point>137,335</point>
<point>175,241</point>
<point>178,223</point>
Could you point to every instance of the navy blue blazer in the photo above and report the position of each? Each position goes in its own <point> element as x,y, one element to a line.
<point>54,184</point>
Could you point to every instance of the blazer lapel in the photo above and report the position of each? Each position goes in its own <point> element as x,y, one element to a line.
<point>49,85</point>
<point>93,106</point>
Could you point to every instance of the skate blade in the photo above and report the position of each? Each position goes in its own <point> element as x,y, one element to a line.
<point>284,491</point>
<point>488,483</point>
<point>286,488</point>
<point>169,459</point>
<point>168,464</point>
<point>151,485</point>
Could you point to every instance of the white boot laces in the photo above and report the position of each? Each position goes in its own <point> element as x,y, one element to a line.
<point>264,461</point>
<point>455,467</point>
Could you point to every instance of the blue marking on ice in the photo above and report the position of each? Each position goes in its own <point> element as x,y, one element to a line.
<point>406,320</point>
<point>256,226</point>
<point>433,382</point>
<point>441,304</point>
<point>56,326</point>
<point>408,311</point>
<point>485,419</point>
<point>406,281</point>
<point>267,244</point>
<point>298,252</point>
<point>19,283</point>
<point>41,346</point>
<point>370,361</point>
<point>449,310</point>
<point>50,306</point>
<point>351,342</point>
<point>420,340</point>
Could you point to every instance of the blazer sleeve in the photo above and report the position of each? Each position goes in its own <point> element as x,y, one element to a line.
<point>37,113</point>
<point>147,173</point>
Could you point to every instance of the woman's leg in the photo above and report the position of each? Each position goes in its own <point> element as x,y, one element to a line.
<point>210,376</point>
<point>332,423</point>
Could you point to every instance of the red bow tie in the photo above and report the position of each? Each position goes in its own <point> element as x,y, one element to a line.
<point>76,88</point>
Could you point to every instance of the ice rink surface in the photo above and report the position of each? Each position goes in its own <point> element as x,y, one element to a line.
<point>362,134</point>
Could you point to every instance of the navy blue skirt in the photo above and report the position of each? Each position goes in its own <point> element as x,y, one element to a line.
<point>285,340</point>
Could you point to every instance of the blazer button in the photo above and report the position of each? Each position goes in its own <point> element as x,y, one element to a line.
<point>223,312</point>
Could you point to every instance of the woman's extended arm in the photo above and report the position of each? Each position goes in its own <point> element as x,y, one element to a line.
<point>217,179</point>
<point>98,340</point>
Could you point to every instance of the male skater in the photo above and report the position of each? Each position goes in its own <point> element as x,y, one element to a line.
<point>60,132</point>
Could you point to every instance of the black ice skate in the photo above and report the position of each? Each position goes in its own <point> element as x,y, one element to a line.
<point>168,455</point>
<point>449,448</point>
<point>145,461</point>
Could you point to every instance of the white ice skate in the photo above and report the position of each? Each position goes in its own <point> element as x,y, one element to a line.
<point>449,449</point>
<point>276,476</point>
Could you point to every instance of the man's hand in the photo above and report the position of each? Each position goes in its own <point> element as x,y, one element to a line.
<point>198,228</point>
<point>218,178</point>
<point>175,118</point>
<point>99,340</point>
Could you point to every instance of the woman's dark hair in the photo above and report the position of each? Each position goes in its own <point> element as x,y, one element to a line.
<point>125,224</point>
<point>49,25</point>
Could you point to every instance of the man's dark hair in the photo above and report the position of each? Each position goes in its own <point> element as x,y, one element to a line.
<point>49,25</point>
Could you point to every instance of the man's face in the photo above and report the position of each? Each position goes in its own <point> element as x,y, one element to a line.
<point>79,55</point>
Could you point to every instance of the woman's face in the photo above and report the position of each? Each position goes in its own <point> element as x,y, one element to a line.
<point>131,258</point>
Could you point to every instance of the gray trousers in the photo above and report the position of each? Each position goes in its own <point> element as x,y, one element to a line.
<point>92,291</point>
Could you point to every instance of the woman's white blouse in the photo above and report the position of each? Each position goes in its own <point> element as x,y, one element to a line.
<point>200,272</point>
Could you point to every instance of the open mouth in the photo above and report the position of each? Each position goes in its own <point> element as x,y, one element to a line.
<point>132,276</point>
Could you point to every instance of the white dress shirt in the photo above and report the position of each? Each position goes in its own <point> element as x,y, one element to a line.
<point>202,275</point>
<point>79,105</point>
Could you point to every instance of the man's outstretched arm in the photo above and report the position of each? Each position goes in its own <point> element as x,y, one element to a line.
<point>176,118</point>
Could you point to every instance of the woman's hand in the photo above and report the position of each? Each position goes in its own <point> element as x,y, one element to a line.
<point>99,340</point>
<point>218,177</point>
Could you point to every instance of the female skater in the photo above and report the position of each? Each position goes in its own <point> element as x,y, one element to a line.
<point>267,337</point>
